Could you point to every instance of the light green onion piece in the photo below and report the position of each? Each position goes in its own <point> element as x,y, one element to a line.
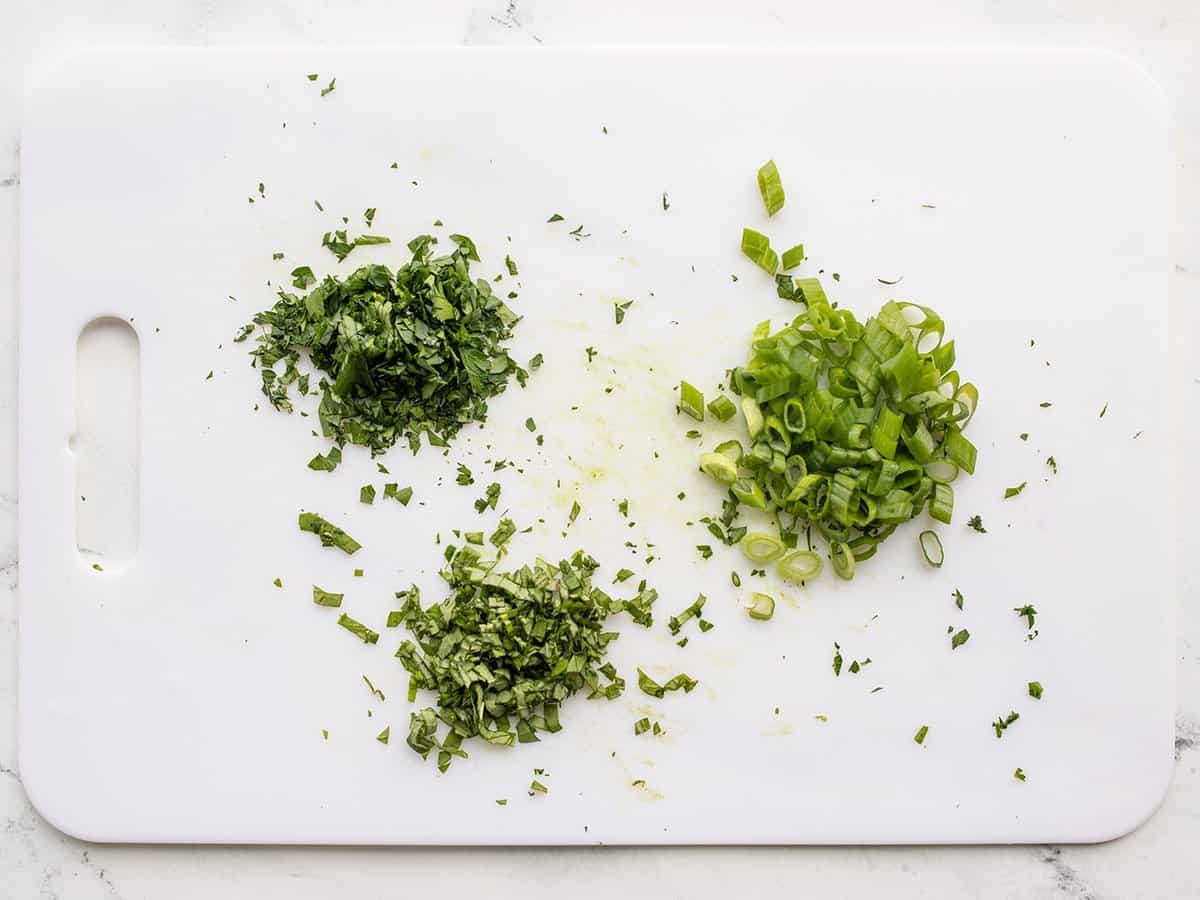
<point>762,606</point>
<point>798,567</point>
<point>754,417</point>
<point>843,560</point>
<point>749,492</point>
<point>942,471</point>
<point>792,257</point>
<point>770,185</point>
<point>691,401</point>
<point>757,248</point>
<point>722,407</point>
<point>719,466</point>
<point>361,631</point>
<point>931,548</point>
<point>761,548</point>
<point>941,507</point>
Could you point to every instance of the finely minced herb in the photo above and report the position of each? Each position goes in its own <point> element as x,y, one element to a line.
<point>405,353</point>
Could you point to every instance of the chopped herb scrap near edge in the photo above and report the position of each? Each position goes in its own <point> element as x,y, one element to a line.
<point>330,534</point>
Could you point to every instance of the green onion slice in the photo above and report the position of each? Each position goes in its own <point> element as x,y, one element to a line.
<point>761,548</point>
<point>800,566</point>
<point>843,560</point>
<point>931,548</point>
<point>762,606</point>
<point>770,185</point>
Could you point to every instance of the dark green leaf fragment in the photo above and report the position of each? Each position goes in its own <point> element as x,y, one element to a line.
<point>1035,690</point>
<point>976,522</point>
<point>329,89</point>
<point>960,637</point>
<point>641,726</point>
<point>330,535</point>
<point>366,494</point>
<point>837,660</point>
<point>1001,724</point>
<point>358,629</point>
<point>1014,491</point>
<point>676,622</point>
<point>958,598</point>
<point>393,491</point>
<point>326,598</point>
<point>1026,612</point>
<point>919,737</point>
<point>619,310</point>
<point>326,463</point>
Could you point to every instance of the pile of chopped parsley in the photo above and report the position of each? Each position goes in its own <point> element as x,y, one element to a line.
<point>401,354</point>
<point>504,650</point>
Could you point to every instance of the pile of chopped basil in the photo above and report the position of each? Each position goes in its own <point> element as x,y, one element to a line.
<point>405,353</point>
<point>504,650</point>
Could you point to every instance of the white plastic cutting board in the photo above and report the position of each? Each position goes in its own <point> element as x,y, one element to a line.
<point>179,696</point>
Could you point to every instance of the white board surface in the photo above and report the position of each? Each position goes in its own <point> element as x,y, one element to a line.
<point>180,696</point>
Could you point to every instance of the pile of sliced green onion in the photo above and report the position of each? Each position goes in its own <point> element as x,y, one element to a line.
<point>852,430</point>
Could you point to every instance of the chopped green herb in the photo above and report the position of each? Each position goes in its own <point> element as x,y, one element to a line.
<point>1027,612</point>
<point>330,535</point>
<point>1019,773</point>
<point>393,491</point>
<point>1024,435</point>
<point>329,89</point>
<point>575,510</point>
<point>623,575</point>
<point>536,786</point>
<point>502,802</point>
<point>619,310</point>
<point>757,247</point>
<point>837,660</point>
<point>705,551</point>
<point>530,425</point>
<point>641,726</point>
<point>98,567</point>
<point>1035,690</point>
<point>555,218</point>
<point>361,631</point>
<point>278,582</point>
<point>384,735</point>
<point>1014,491</point>
<point>326,598</point>
<point>510,265</point>
<point>649,686</point>
<point>1045,403</point>
<point>1053,464</point>
<point>1001,724</point>
<point>313,77</point>
<point>1103,411</point>
<point>374,690</point>
<point>489,499</point>
<point>535,361</point>
<point>464,476</point>
<point>326,463</point>
<point>958,598</point>
<point>276,256</point>
<point>366,494</point>
<point>427,371</point>
<point>358,573</point>
<point>553,646</point>
<point>919,737</point>
<point>976,522</point>
<point>591,353</point>
<point>623,507</point>
<point>676,622</point>
<point>960,637</point>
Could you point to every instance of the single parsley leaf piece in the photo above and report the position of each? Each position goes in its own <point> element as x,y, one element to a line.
<point>1026,612</point>
<point>1053,464</point>
<point>960,637</point>
<point>958,598</point>
<point>919,737</point>
<point>837,660</point>
<point>976,522</point>
<point>619,310</point>
<point>1001,724</point>
<point>329,90</point>
<point>1019,773</point>
<point>1035,690</point>
<point>326,463</point>
<point>366,494</point>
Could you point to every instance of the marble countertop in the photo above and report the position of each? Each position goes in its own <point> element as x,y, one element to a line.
<point>1155,861</point>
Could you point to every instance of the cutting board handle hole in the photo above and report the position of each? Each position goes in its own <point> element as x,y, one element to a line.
<point>105,444</point>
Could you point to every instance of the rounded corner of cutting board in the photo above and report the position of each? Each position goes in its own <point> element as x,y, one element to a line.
<point>52,805</point>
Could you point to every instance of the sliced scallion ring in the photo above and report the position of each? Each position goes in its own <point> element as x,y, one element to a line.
<point>719,466</point>
<point>762,606</point>
<point>931,548</point>
<point>942,471</point>
<point>799,566</point>
<point>843,560</point>
<point>761,548</point>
